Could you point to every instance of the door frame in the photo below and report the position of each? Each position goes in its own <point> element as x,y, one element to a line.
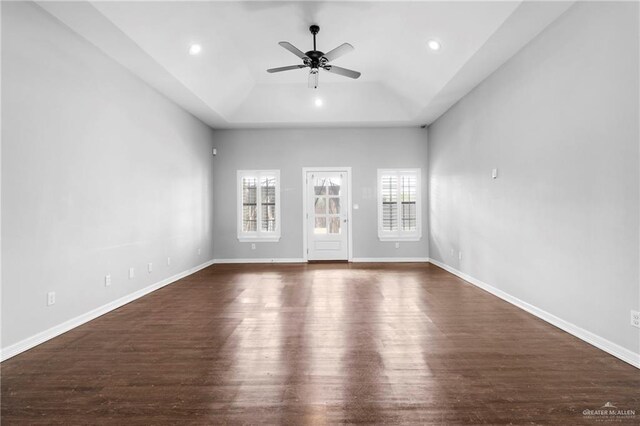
<point>305,242</point>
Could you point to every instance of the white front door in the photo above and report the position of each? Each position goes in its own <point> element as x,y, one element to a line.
<point>327,215</point>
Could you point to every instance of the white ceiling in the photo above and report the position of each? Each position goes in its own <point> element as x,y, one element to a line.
<point>403,83</point>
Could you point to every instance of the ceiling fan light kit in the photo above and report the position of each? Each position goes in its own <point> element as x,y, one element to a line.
<point>316,60</point>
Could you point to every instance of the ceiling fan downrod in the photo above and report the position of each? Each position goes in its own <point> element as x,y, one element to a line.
<point>315,29</point>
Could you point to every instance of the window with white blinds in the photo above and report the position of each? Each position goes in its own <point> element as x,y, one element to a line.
<point>399,217</point>
<point>258,205</point>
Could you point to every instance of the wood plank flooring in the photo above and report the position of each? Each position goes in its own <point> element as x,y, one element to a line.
<point>316,344</point>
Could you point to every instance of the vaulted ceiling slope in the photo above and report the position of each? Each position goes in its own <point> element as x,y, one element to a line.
<point>403,83</point>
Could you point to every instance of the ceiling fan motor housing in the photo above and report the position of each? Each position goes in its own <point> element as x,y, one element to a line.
<point>317,58</point>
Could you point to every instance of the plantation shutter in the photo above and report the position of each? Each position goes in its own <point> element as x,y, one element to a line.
<point>399,205</point>
<point>249,204</point>
<point>389,202</point>
<point>258,201</point>
<point>408,198</point>
<point>268,203</point>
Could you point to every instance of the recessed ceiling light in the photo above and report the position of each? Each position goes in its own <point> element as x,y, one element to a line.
<point>434,44</point>
<point>318,102</point>
<point>194,49</point>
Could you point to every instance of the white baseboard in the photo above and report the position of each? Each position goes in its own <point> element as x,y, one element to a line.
<point>389,259</point>
<point>599,342</point>
<point>278,260</point>
<point>30,342</point>
<point>301,260</point>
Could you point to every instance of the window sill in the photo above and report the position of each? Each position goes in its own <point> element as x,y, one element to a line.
<point>252,239</point>
<point>398,238</point>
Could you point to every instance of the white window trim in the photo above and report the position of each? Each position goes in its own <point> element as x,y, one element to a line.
<point>259,235</point>
<point>400,235</point>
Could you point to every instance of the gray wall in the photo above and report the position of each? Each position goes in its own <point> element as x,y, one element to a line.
<point>99,173</point>
<point>559,227</point>
<point>365,150</point>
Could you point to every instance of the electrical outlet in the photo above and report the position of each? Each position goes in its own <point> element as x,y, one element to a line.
<point>51,298</point>
<point>397,245</point>
<point>459,255</point>
<point>253,246</point>
<point>635,318</point>
<point>107,280</point>
<point>168,261</point>
<point>132,273</point>
<point>199,252</point>
<point>150,267</point>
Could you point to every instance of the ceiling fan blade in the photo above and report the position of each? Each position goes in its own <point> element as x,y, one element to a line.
<point>342,71</point>
<point>341,50</point>
<point>290,67</point>
<point>291,48</point>
<point>313,79</point>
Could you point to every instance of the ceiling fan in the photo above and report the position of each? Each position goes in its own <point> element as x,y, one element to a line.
<point>316,59</point>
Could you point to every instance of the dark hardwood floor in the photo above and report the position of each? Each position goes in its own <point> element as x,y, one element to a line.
<point>316,344</point>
